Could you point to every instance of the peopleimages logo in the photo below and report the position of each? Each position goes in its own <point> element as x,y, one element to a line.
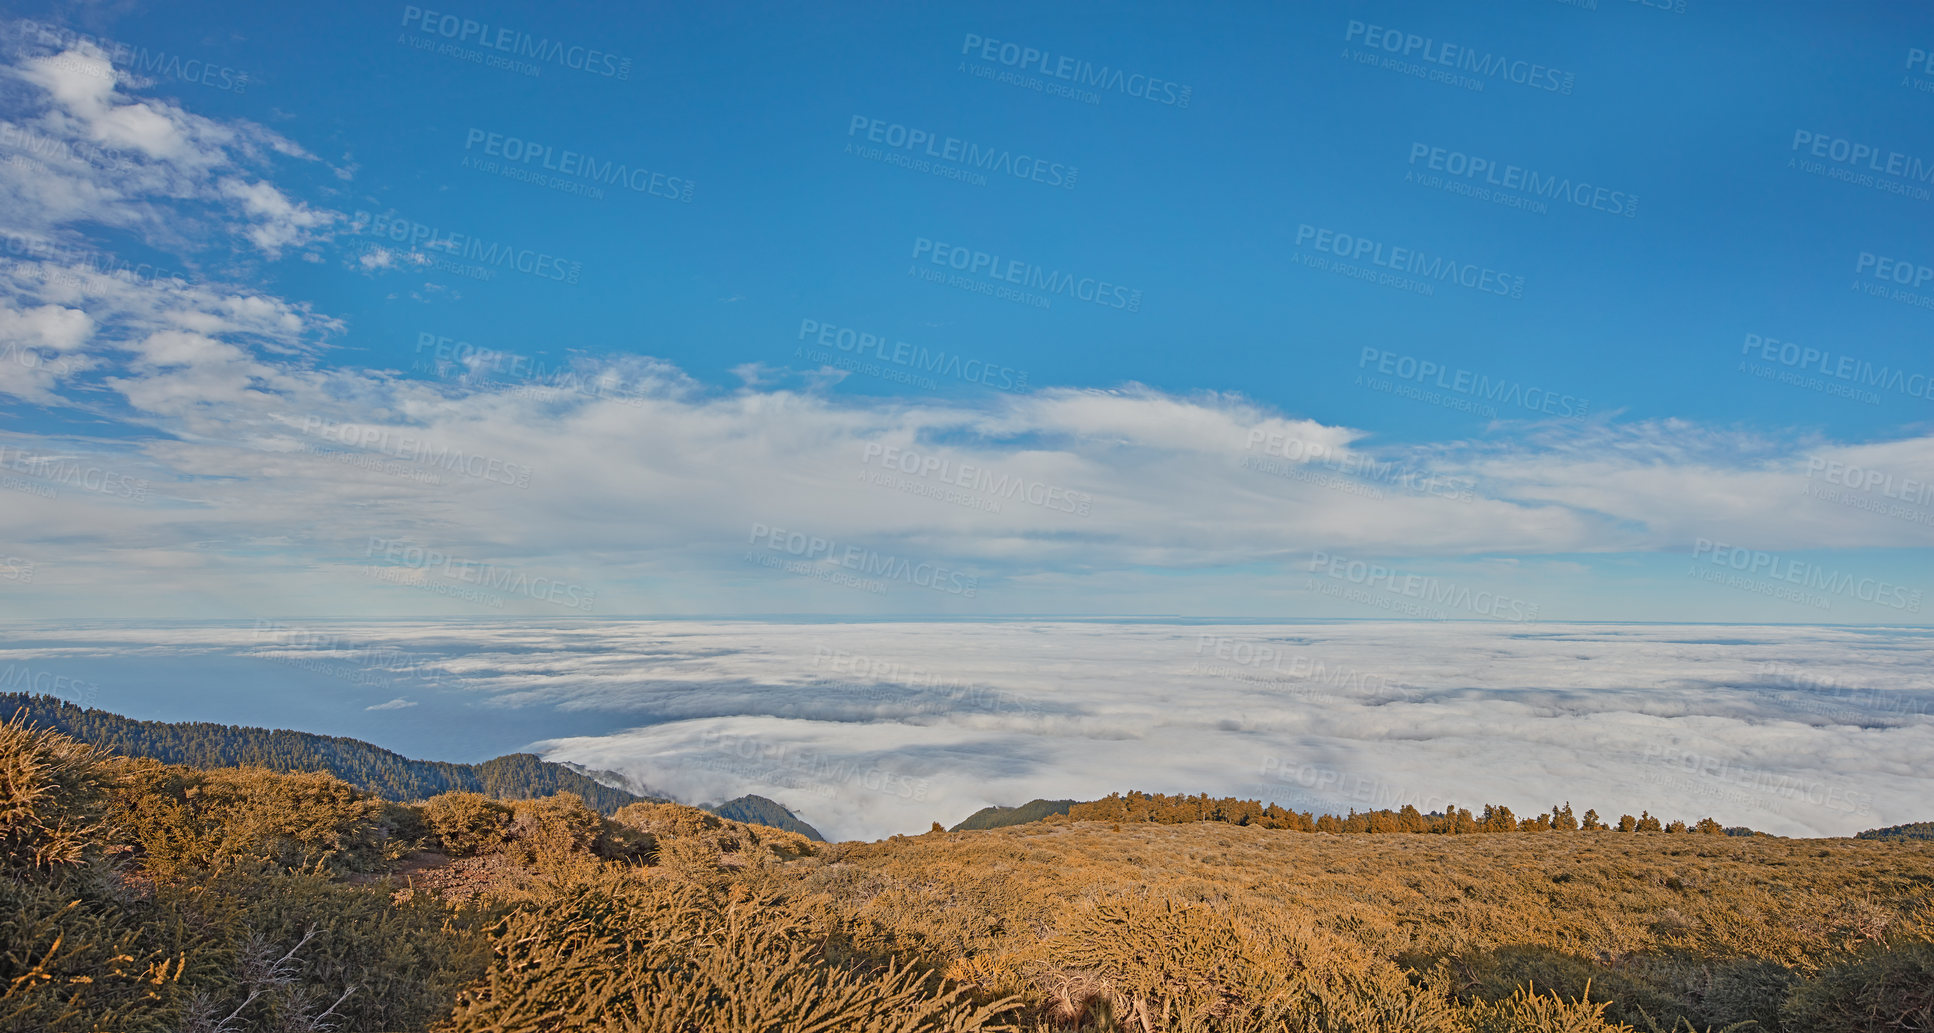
<point>1506,176</point>
<point>1409,261</point>
<point>517,43</point>
<point>22,678</point>
<point>488,255</point>
<point>1476,385</point>
<point>1867,479</point>
<point>489,576</point>
<point>1075,70</point>
<point>578,165</point>
<point>1774,567</point>
<point>412,449</point>
<point>1033,277</point>
<point>137,60</point>
<point>914,357</point>
<point>975,477</point>
<point>1464,59</point>
<point>1343,461</point>
<point>1854,154</point>
<point>1840,367</point>
<point>865,561</point>
<point>996,160</point>
<point>24,141</point>
<point>74,474</point>
<point>1426,589</point>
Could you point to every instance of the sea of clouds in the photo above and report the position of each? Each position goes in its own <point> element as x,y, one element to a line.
<point>870,729</point>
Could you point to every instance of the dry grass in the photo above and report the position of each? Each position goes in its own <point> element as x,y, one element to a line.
<point>1709,929</point>
<point>143,897</point>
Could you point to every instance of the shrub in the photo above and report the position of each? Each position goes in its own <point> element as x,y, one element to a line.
<point>1161,963</point>
<point>467,824</point>
<point>305,945</point>
<point>554,828</point>
<point>617,951</point>
<point>53,800</point>
<point>72,944</point>
<point>79,960</point>
<point>187,821</point>
<point>697,839</point>
<point>1883,987</point>
<point>1527,1011</point>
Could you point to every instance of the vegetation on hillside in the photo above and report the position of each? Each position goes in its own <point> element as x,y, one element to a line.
<point>139,896</point>
<point>1001,817</point>
<point>1453,820</point>
<point>203,744</point>
<point>757,810</point>
<point>1915,830</point>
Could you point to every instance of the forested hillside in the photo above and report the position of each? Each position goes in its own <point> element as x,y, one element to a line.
<point>757,810</point>
<point>1916,830</point>
<point>201,744</point>
<point>1001,817</point>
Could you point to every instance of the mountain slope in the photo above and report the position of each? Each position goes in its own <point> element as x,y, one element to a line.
<point>204,744</point>
<point>757,810</point>
<point>1000,817</point>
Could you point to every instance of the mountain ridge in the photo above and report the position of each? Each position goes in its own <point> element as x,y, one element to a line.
<point>208,744</point>
<point>514,776</point>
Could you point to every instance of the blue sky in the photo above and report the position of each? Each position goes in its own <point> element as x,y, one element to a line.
<point>645,422</point>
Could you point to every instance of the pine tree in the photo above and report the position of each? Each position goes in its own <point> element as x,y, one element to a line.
<point>1562,820</point>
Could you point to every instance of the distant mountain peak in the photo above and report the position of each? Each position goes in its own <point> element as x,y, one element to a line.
<point>757,810</point>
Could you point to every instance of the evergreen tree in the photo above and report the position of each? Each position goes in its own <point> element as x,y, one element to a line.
<point>1562,820</point>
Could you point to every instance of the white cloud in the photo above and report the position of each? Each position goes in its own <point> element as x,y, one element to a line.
<point>640,479</point>
<point>85,149</point>
<point>872,729</point>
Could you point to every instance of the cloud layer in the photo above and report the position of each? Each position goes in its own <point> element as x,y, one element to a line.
<point>868,729</point>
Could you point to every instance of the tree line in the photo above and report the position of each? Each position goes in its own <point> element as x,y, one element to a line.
<point>1162,809</point>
